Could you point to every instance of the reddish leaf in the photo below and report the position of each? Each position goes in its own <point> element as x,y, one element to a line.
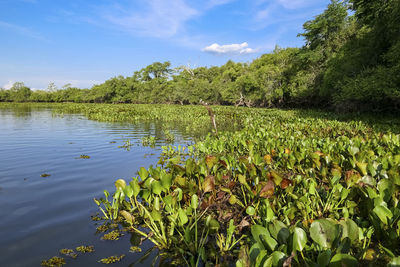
<point>268,190</point>
<point>220,195</point>
<point>231,184</point>
<point>285,183</point>
<point>222,162</point>
<point>209,184</point>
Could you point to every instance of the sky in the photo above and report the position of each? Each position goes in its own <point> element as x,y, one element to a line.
<point>85,42</point>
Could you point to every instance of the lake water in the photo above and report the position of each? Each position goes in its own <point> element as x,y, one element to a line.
<point>41,215</point>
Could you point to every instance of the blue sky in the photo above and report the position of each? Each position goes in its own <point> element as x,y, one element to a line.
<point>85,42</point>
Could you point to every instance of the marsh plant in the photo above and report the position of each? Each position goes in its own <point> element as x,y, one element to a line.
<point>283,191</point>
<point>149,141</point>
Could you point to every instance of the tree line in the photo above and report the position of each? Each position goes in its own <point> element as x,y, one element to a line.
<point>350,61</point>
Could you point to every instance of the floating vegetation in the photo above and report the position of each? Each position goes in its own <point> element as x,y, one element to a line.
<point>169,137</point>
<point>85,249</point>
<point>114,235</point>
<point>45,175</point>
<point>96,218</point>
<point>292,188</point>
<point>284,190</point>
<point>102,228</point>
<point>112,259</point>
<point>127,145</point>
<point>84,157</point>
<point>54,262</point>
<point>68,252</point>
<point>149,141</point>
<point>135,249</point>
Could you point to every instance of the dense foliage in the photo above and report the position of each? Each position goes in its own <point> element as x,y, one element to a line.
<point>289,188</point>
<point>350,61</point>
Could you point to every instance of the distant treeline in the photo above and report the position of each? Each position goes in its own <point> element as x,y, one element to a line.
<point>350,61</point>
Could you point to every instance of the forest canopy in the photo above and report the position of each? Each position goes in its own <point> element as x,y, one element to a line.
<point>350,61</point>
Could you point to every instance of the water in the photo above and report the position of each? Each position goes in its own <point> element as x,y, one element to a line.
<point>40,215</point>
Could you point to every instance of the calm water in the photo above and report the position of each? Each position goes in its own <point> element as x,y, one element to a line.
<point>40,215</point>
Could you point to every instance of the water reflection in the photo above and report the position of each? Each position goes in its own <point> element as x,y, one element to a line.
<point>41,215</point>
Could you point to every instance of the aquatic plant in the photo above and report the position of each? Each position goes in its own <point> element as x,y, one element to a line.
<point>54,262</point>
<point>169,137</point>
<point>127,145</point>
<point>149,141</point>
<point>85,249</point>
<point>112,259</point>
<point>282,191</point>
<point>113,235</point>
<point>68,252</point>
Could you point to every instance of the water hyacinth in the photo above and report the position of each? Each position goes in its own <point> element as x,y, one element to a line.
<point>283,190</point>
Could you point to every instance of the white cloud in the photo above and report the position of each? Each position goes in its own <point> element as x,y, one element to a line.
<point>8,85</point>
<point>161,18</point>
<point>242,48</point>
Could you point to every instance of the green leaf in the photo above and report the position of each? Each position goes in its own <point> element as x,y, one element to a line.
<point>324,258</point>
<point>262,236</point>
<point>189,166</point>
<point>343,260</point>
<point>195,202</point>
<point>250,210</point>
<point>362,167</point>
<point>299,239</point>
<point>135,187</point>
<point>383,213</point>
<point>257,231</point>
<point>261,258</point>
<point>156,187</point>
<point>395,262</point>
<point>156,215</point>
<point>120,183</point>
<point>324,232</point>
<point>277,258</point>
<point>157,203</point>
<point>350,230</point>
<point>166,180</point>
<point>127,216</point>
<point>386,188</point>
<point>182,216</point>
<point>213,225</point>
<point>128,191</point>
<point>143,173</point>
<point>276,177</point>
<point>279,231</point>
<point>255,249</point>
